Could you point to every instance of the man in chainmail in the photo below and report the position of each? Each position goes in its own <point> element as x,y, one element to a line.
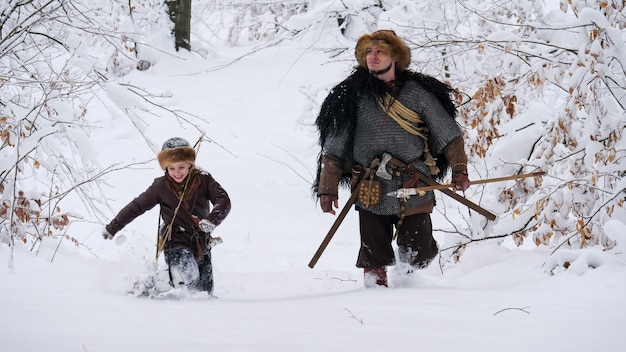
<point>383,111</point>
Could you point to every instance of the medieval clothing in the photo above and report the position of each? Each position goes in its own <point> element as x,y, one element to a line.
<point>182,205</point>
<point>355,127</point>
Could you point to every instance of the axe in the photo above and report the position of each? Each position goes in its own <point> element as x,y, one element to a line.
<point>382,168</point>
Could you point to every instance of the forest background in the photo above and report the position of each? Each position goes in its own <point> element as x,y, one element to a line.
<point>89,91</point>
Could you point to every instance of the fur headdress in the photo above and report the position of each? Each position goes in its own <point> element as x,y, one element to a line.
<point>174,150</point>
<point>389,42</point>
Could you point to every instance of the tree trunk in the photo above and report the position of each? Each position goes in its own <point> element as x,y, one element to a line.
<point>180,14</point>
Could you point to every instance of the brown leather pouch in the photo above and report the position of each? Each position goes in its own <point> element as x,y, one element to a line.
<point>369,192</point>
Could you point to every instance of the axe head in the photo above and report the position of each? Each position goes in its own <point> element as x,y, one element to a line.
<point>382,168</point>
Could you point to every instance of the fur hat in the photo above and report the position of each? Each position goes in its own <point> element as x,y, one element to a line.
<point>389,42</point>
<point>174,150</point>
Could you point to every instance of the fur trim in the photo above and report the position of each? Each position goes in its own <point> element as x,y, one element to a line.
<point>389,42</point>
<point>174,155</point>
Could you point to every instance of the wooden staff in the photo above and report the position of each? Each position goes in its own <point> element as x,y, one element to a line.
<point>342,214</point>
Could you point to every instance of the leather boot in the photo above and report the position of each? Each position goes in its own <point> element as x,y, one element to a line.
<point>375,277</point>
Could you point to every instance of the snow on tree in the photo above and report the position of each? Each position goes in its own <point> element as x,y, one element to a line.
<point>552,98</point>
<point>541,86</point>
<point>52,86</point>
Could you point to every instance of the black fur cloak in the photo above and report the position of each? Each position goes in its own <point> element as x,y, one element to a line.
<point>338,111</point>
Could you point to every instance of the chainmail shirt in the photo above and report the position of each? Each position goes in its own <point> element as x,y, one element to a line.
<point>376,133</point>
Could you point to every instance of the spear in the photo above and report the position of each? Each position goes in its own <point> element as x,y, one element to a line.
<point>407,192</point>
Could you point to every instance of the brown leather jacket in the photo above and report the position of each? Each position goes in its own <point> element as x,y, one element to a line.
<point>201,193</point>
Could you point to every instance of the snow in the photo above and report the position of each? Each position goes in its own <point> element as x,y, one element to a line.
<point>497,298</point>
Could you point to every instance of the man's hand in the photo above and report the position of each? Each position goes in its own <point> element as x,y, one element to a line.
<point>328,203</point>
<point>461,182</point>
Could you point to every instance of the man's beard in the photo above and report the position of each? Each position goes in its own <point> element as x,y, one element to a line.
<point>381,72</point>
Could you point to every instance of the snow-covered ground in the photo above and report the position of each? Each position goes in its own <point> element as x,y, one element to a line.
<point>498,298</point>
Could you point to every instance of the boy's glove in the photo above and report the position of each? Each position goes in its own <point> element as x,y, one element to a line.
<point>206,226</point>
<point>106,234</point>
